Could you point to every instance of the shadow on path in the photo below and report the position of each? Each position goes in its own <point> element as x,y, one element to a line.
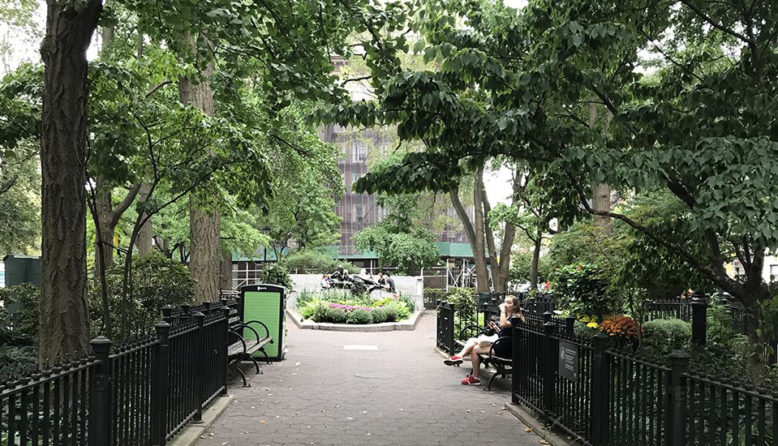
<point>384,388</point>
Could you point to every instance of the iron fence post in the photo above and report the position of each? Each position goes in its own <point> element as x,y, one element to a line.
<point>226,313</point>
<point>676,399</point>
<point>547,317</point>
<point>599,391</point>
<point>202,358</point>
<point>699,318</point>
<point>100,394</point>
<point>167,314</point>
<point>569,325</point>
<point>159,385</point>
<point>515,364</point>
<point>548,370</point>
<point>449,328</point>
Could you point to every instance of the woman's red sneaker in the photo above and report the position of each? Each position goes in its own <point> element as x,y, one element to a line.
<point>454,360</point>
<point>471,381</point>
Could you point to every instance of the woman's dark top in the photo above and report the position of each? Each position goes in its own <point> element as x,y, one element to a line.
<point>503,349</point>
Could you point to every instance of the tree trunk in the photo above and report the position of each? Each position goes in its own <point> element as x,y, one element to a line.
<point>479,252</point>
<point>204,226</point>
<point>64,317</point>
<point>225,278</point>
<point>601,192</point>
<point>533,271</point>
<point>205,251</point>
<point>146,232</point>
<point>471,234</point>
<point>104,208</point>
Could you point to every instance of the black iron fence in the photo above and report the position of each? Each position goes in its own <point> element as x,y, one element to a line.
<point>136,394</point>
<point>602,396</point>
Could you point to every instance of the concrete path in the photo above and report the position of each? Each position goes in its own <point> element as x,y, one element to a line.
<point>383,388</point>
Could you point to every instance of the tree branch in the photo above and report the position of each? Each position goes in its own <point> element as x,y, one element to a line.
<point>717,25</point>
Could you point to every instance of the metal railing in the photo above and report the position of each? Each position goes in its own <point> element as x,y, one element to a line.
<point>140,393</point>
<point>601,396</point>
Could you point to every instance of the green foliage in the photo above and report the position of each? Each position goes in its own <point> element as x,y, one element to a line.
<point>311,261</point>
<point>584,330</point>
<point>316,310</point>
<point>409,302</point>
<point>461,297</point>
<point>359,317</point>
<point>336,316</point>
<point>17,361</point>
<point>379,316</point>
<point>157,282</point>
<point>21,303</point>
<point>580,289</point>
<point>661,336</point>
<point>407,251</point>
<point>392,310</point>
<point>276,274</point>
<point>521,263</point>
<point>432,296</point>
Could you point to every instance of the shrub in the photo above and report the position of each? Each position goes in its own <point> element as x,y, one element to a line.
<point>432,296</point>
<point>276,274</point>
<point>359,316</point>
<point>661,336</point>
<point>379,315</point>
<point>584,329</point>
<point>623,327</point>
<point>157,281</point>
<point>336,315</point>
<point>391,309</point>
<point>409,302</point>
<point>315,310</point>
<point>310,261</point>
<point>579,288</point>
<point>22,302</point>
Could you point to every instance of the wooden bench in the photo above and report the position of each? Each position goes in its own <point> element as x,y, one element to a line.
<point>243,349</point>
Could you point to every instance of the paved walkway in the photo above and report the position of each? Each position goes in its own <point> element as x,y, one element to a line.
<point>336,388</point>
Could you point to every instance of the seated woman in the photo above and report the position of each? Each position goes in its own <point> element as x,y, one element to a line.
<point>508,309</point>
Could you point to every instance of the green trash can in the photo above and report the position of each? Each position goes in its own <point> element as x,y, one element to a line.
<point>265,303</point>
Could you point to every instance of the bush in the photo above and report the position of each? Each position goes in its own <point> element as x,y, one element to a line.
<point>585,329</point>
<point>276,274</point>
<point>432,296</point>
<point>359,317</point>
<point>379,315</point>
<point>661,336</point>
<point>392,310</point>
<point>336,315</point>
<point>157,281</point>
<point>580,288</point>
<point>21,303</point>
<point>623,327</point>
<point>409,303</point>
<point>315,310</point>
<point>310,261</point>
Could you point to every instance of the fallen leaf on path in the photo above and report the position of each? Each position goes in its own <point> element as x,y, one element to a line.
<point>529,429</point>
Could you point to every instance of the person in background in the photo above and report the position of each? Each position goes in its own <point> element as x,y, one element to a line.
<point>390,283</point>
<point>326,282</point>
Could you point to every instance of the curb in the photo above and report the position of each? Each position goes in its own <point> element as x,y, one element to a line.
<point>190,434</point>
<point>406,325</point>
<point>537,426</point>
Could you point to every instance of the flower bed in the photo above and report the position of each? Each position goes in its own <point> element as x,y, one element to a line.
<point>341,309</point>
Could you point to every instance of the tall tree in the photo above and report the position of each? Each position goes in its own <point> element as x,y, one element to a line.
<point>63,313</point>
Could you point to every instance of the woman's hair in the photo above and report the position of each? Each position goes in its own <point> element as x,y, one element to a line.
<point>516,308</point>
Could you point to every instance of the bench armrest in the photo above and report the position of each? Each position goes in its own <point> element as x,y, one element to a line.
<point>240,338</point>
<point>267,331</point>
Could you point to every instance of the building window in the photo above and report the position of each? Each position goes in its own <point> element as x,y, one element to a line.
<point>358,151</point>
